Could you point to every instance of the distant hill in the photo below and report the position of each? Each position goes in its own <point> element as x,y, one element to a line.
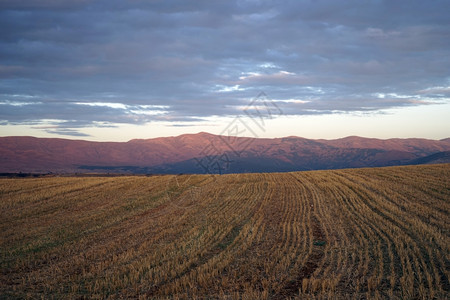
<point>437,158</point>
<point>204,152</point>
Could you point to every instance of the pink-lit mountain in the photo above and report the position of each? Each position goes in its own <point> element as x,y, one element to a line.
<point>204,152</point>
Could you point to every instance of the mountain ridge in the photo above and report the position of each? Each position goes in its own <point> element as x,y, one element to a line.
<point>184,152</point>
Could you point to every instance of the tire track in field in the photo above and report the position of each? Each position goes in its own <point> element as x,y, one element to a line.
<point>293,246</point>
<point>330,216</point>
<point>315,254</point>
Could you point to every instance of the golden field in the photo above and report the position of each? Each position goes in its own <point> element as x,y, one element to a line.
<point>340,234</point>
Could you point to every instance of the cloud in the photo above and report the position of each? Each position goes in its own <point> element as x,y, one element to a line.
<point>443,91</point>
<point>87,63</point>
<point>65,131</point>
<point>380,33</point>
<point>278,77</point>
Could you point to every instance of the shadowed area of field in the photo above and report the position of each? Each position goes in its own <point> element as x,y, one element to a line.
<point>363,233</point>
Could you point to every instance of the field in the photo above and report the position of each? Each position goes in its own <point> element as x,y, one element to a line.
<point>341,234</point>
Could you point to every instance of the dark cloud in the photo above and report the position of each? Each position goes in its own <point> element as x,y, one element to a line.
<point>68,132</point>
<point>93,63</point>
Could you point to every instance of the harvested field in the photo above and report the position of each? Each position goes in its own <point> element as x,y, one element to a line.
<point>356,233</point>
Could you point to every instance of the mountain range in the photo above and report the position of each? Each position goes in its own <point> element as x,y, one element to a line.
<point>208,153</point>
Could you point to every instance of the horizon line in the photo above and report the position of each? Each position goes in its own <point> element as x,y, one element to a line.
<point>217,135</point>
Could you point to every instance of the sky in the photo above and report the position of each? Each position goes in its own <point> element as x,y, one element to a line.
<point>118,70</point>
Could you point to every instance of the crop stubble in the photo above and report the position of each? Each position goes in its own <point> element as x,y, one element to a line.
<point>359,233</point>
